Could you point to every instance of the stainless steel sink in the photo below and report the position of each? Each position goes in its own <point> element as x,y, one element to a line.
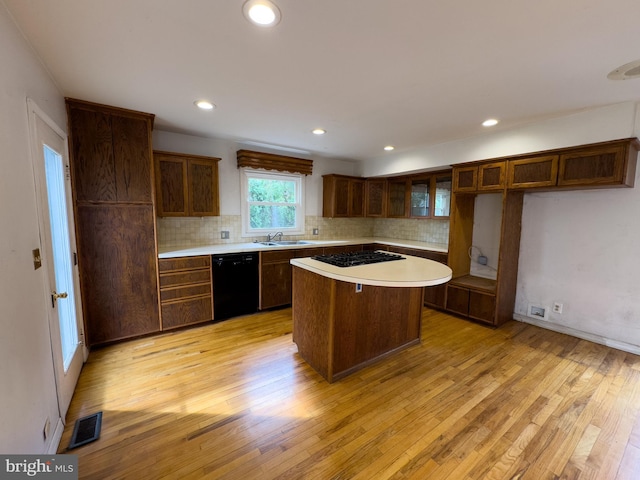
<point>285,243</point>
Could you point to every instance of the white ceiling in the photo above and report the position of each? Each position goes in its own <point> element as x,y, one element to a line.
<point>371,72</point>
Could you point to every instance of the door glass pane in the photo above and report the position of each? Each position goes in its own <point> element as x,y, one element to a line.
<point>443,196</point>
<point>61,253</point>
<point>420,199</point>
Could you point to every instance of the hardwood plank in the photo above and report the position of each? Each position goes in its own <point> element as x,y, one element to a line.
<point>235,400</point>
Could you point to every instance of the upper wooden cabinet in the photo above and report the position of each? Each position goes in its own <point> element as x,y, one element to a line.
<point>484,177</point>
<point>343,196</point>
<point>491,176</point>
<point>609,164</point>
<point>375,198</point>
<point>601,165</point>
<point>110,151</point>
<point>533,172</point>
<point>186,185</point>
<point>397,201</point>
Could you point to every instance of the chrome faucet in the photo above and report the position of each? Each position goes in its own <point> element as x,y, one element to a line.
<point>271,237</point>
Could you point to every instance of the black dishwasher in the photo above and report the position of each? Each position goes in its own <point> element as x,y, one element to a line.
<point>235,284</point>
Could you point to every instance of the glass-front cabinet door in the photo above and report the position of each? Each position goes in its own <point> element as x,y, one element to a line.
<point>442,196</point>
<point>421,198</point>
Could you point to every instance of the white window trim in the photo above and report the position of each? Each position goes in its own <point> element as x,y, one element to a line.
<point>245,174</point>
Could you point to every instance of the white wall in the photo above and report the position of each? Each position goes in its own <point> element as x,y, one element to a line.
<point>228,169</point>
<point>579,248</point>
<point>27,388</point>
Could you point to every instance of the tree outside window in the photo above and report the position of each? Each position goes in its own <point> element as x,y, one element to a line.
<point>272,202</point>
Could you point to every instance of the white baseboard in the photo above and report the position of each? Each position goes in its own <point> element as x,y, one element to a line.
<point>625,347</point>
<point>54,443</point>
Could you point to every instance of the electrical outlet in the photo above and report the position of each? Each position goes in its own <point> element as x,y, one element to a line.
<point>224,234</point>
<point>358,287</point>
<point>557,307</point>
<point>315,231</point>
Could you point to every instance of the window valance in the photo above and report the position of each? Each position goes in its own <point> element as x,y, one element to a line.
<point>270,161</point>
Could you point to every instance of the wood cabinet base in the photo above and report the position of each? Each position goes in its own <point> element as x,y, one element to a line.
<point>339,330</point>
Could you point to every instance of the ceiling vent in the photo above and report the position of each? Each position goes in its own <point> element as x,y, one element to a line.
<point>626,71</point>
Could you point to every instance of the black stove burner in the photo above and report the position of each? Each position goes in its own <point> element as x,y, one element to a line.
<point>352,259</point>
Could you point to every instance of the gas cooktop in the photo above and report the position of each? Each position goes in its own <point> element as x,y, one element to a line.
<point>352,259</point>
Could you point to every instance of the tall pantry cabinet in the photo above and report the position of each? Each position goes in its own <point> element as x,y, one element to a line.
<point>112,178</point>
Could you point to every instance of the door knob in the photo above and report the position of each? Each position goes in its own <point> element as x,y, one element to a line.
<point>55,296</point>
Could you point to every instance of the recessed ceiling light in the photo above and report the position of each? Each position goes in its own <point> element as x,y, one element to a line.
<point>388,148</point>
<point>626,71</point>
<point>261,12</point>
<point>490,122</point>
<point>318,131</point>
<point>204,104</point>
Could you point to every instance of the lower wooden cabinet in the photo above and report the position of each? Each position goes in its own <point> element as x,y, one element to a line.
<point>186,295</point>
<point>275,278</point>
<point>433,296</point>
<point>118,276</point>
<point>472,297</point>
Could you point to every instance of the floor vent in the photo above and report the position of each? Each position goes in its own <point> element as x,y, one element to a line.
<point>87,430</point>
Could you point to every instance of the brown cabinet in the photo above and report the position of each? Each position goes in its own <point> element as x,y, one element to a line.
<point>275,272</point>
<point>488,300</point>
<point>186,185</point>
<point>111,170</point>
<point>533,172</point>
<point>375,197</point>
<point>465,179</point>
<point>601,165</point>
<point>275,278</point>
<point>609,164</point>
<point>491,176</point>
<point>472,297</point>
<point>424,195</point>
<point>397,200</point>
<point>343,196</point>
<point>481,177</point>
<point>433,296</point>
<point>186,295</point>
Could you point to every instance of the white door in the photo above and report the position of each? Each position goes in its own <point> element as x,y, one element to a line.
<point>57,239</point>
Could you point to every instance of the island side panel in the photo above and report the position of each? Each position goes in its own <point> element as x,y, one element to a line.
<point>313,303</point>
<point>372,323</point>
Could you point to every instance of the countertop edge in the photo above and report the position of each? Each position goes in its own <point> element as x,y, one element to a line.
<point>249,247</point>
<point>334,273</point>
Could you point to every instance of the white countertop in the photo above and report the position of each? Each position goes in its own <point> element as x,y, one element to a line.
<point>410,272</point>
<point>223,248</point>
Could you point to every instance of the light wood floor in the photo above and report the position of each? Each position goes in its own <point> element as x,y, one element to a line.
<point>234,401</point>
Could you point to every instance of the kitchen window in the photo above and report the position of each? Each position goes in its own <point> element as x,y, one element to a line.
<point>272,202</point>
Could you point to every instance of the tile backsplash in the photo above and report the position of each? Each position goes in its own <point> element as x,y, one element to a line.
<point>187,232</point>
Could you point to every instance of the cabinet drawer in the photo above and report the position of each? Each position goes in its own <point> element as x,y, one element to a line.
<point>185,278</point>
<point>186,312</point>
<point>277,256</point>
<point>183,263</point>
<point>174,293</point>
<point>309,252</point>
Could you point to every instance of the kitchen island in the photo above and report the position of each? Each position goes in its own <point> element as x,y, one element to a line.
<point>345,318</point>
